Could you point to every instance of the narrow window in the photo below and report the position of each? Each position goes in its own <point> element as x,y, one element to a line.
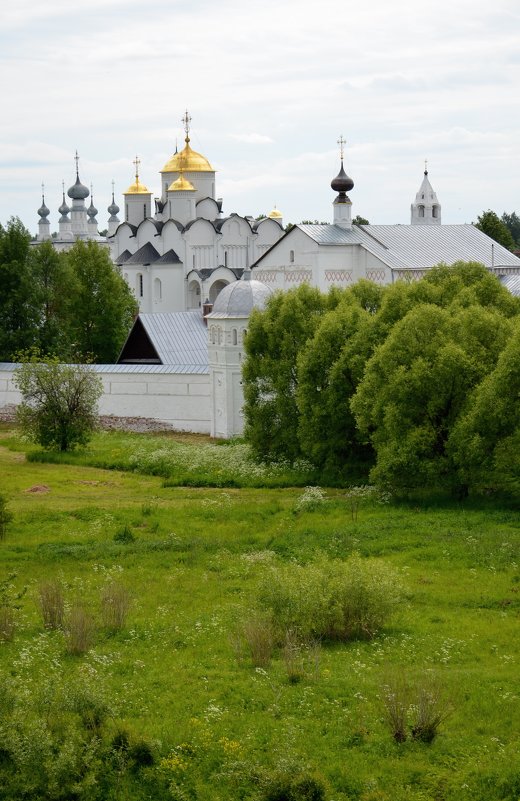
<point>144,211</point>
<point>434,211</point>
<point>234,336</point>
<point>140,285</point>
<point>291,256</point>
<point>126,207</point>
<point>158,289</point>
<point>193,260</point>
<point>225,258</point>
<point>421,211</point>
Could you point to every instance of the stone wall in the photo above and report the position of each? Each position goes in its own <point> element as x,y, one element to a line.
<point>180,401</point>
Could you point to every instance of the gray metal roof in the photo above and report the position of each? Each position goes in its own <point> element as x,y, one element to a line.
<point>423,246</point>
<point>511,282</point>
<point>167,369</point>
<point>180,338</point>
<point>170,257</point>
<point>240,298</point>
<point>417,246</point>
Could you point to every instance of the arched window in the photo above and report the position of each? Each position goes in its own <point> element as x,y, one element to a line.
<point>139,285</point>
<point>219,334</point>
<point>291,256</point>
<point>225,258</point>
<point>157,289</point>
<point>435,211</point>
<point>212,337</point>
<point>234,338</point>
<point>421,211</point>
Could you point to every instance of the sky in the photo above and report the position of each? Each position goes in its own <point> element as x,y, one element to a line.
<point>270,87</point>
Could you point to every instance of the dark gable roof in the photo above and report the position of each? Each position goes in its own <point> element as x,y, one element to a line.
<point>125,255</point>
<point>147,254</point>
<point>170,257</point>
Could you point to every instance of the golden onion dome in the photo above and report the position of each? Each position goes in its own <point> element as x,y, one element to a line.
<point>187,160</point>
<point>137,188</point>
<point>181,185</point>
<point>275,214</point>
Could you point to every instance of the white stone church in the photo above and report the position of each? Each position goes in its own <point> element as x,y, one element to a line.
<point>197,275</point>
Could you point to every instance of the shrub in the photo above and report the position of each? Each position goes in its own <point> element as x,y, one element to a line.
<point>395,698</point>
<point>300,658</point>
<point>79,630</point>
<point>51,603</point>
<point>310,500</point>
<point>430,710</point>
<point>331,599</point>
<point>287,786</point>
<point>5,517</point>
<point>115,603</point>
<point>255,635</point>
<point>124,535</point>
<point>59,402</point>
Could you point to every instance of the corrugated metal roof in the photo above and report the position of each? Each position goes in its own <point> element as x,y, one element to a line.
<point>180,338</point>
<point>166,369</point>
<point>423,246</point>
<point>417,246</point>
<point>511,282</point>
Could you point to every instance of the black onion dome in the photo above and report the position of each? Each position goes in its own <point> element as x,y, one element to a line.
<point>342,182</point>
<point>78,191</point>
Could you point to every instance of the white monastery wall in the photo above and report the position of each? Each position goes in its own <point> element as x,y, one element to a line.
<point>181,401</point>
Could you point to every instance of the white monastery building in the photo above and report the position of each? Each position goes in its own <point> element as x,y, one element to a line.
<point>197,274</point>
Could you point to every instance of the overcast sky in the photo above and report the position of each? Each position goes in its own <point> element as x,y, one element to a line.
<point>270,87</point>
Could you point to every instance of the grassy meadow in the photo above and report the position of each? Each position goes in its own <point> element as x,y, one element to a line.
<point>192,531</point>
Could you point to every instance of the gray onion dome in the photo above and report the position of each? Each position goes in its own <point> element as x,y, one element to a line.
<point>63,209</point>
<point>113,209</point>
<point>92,211</point>
<point>43,211</point>
<point>78,191</point>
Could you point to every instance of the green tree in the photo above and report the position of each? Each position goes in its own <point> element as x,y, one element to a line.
<point>512,223</point>
<point>416,387</point>
<point>18,303</point>
<point>275,338</point>
<point>59,402</point>
<point>54,286</point>
<point>102,306</point>
<point>329,370</point>
<point>486,441</point>
<point>358,220</point>
<point>491,224</point>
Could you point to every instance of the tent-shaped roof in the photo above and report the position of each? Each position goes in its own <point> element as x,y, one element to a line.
<point>177,339</point>
<point>146,254</point>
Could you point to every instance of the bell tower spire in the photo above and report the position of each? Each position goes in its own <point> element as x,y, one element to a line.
<point>426,210</point>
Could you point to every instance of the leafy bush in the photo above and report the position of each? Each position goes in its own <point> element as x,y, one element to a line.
<point>59,402</point>
<point>256,637</point>
<point>331,599</point>
<point>286,786</point>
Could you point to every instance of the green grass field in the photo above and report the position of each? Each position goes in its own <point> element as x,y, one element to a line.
<point>174,675</point>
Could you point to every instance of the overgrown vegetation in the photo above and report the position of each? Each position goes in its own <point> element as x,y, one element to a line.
<point>199,691</point>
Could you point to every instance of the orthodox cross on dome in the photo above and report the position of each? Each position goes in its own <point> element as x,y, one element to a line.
<point>186,119</point>
<point>43,190</point>
<point>426,166</point>
<point>113,185</point>
<point>136,162</point>
<point>76,159</point>
<point>341,142</point>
